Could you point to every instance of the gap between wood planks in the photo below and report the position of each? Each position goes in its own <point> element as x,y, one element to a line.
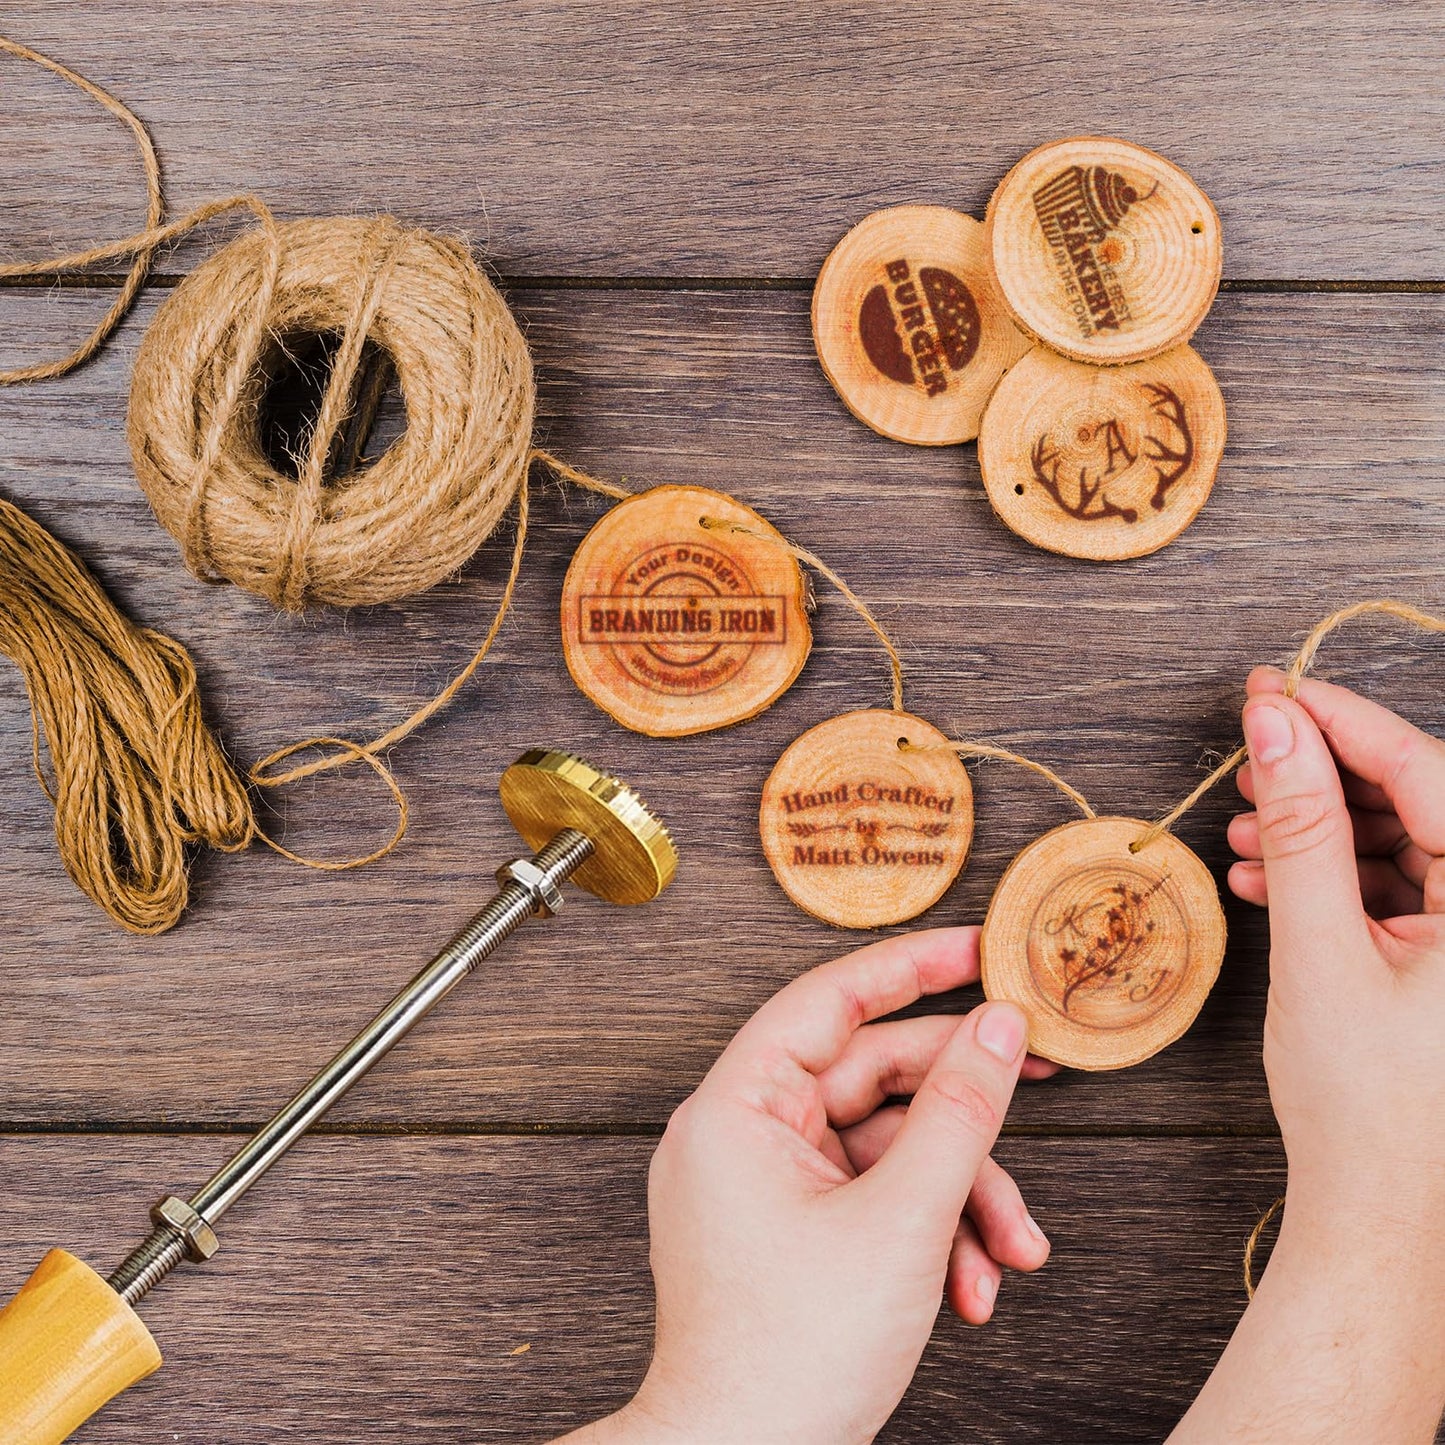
<point>625,1129</point>
<point>166,280</point>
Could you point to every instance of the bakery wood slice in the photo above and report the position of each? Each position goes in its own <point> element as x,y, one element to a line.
<point>1102,462</point>
<point>1104,250</point>
<point>675,628</point>
<point>863,832</point>
<point>909,327</point>
<point>1109,953</point>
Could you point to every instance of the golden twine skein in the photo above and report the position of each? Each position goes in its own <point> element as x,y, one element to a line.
<point>137,776</point>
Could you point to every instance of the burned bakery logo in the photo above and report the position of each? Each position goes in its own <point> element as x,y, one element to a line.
<point>868,823</point>
<point>917,329</point>
<point>683,618</point>
<point>1103,946</point>
<point>1078,210</point>
<point>1106,468</point>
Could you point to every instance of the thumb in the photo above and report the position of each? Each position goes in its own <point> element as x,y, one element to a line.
<point>1305,832</point>
<point>954,1119</point>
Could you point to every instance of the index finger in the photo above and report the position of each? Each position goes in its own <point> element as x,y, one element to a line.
<point>813,1018</point>
<point>1380,748</point>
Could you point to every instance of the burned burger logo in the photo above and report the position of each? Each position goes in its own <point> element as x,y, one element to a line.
<point>1077,210</point>
<point>917,329</point>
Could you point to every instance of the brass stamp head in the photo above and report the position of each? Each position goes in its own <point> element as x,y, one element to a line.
<point>634,857</point>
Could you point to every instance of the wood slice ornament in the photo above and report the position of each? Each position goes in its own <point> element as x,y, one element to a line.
<point>1109,952</point>
<point>862,831</point>
<point>1102,462</point>
<point>1103,249</point>
<point>675,628</point>
<point>909,327</point>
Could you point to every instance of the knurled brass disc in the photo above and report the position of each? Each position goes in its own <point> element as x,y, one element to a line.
<point>1104,250</point>
<point>909,327</point>
<point>1102,462</point>
<point>1111,954</point>
<point>634,857</point>
<point>675,628</point>
<point>861,832</point>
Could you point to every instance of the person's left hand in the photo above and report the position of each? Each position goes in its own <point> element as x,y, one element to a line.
<point>805,1231</point>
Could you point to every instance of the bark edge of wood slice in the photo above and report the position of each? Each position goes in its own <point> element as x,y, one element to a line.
<point>1109,953</point>
<point>1102,463</point>
<point>909,326</point>
<point>1103,249</point>
<point>857,830</point>
<point>673,628</point>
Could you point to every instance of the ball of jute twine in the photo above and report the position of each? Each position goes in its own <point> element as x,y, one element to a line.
<point>136,775</point>
<point>396,527</point>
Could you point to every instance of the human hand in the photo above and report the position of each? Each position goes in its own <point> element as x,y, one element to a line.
<point>1345,847</point>
<point>804,1232</point>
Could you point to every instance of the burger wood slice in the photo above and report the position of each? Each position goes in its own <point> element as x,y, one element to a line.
<point>908,325</point>
<point>675,627</point>
<point>1109,953</point>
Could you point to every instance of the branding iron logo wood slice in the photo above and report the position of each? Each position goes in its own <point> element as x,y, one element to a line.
<point>1102,462</point>
<point>861,832</point>
<point>1109,953</point>
<point>1103,249</point>
<point>908,326</point>
<point>675,628</point>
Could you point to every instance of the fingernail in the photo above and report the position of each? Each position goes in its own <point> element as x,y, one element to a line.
<point>1269,732</point>
<point>1031,1224</point>
<point>986,1289</point>
<point>1001,1031</point>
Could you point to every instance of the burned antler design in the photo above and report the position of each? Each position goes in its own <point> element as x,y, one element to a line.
<point>1090,493</point>
<point>1171,462</point>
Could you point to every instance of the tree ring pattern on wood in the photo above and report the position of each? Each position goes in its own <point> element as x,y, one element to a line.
<point>1104,250</point>
<point>1102,462</point>
<point>909,327</point>
<point>676,628</point>
<point>862,831</point>
<point>1111,954</point>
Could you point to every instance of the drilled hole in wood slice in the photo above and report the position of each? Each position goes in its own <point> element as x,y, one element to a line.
<point>908,326</point>
<point>1111,954</point>
<point>1102,462</point>
<point>1104,250</point>
<point>676,628</point>
<point>863,832</point>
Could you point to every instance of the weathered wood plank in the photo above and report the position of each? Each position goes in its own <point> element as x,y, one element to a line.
<point>1120,675</point>
<point>676,139</point>
<point>375,1288</point>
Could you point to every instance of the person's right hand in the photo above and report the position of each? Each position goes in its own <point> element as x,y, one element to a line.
<point>1345,845</point>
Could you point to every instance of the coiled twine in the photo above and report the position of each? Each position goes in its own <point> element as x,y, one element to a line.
<point>385,531</point>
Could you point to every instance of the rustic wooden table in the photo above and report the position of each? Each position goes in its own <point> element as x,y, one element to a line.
<point>658,183</point>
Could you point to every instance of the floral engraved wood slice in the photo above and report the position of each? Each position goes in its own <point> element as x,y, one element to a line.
<point>1102,462</point>
<point>675,628</point>
<point>861,832</point>
<point>1104,250</point>
<point>908,326</point>
<point>1111,954</point>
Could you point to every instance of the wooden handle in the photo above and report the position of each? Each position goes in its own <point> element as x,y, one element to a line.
<point>68,1343</point>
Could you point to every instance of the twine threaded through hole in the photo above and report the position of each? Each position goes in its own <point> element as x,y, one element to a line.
<point>895,663</point>
<point>968,749</point>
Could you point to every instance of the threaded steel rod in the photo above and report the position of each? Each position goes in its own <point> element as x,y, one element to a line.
<point>166,1247</point>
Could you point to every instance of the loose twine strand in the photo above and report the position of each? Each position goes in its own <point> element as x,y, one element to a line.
<point>1252,1244</point>
<point>137,775</point>
<point>1294,674</point>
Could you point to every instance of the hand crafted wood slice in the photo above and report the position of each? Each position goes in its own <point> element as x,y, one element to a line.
<point>861,832</point>
<point>1111,954</point>
<point>1104,250</point>
<point>1102,462</point>
<point>674,628</point>
<point>909,327</point>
